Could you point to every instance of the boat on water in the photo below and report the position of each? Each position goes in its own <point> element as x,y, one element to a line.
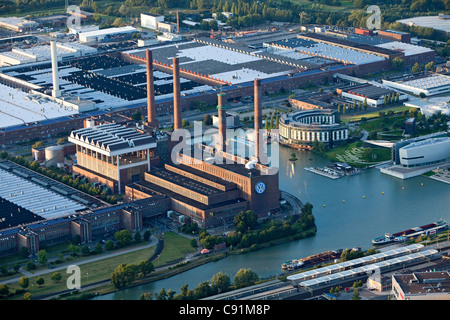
<point>383,239</point>
<point>312,260</point>
<point>428,229</point>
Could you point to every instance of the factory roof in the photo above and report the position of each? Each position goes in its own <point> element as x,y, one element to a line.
<point>424,282</point>
<point>35,198</point>
<point>231,63</point>
<point>103,32</point>
<point>367,90</point>
<point>19,107</point>
<point>429,82</point>
<point>407,48</point>
<point>112,139</point>
<point>435,22</point>
<point>325,50</point>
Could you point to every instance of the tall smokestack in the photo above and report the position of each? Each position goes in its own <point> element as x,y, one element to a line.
<point>222,113</point>
<point>55,92</point>
<point>151,112</point>
<point>258,116</point>
<point>177,120</point>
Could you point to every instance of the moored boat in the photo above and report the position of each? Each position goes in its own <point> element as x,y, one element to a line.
<point>383,239</point>
<point>312,260</point>
<point>428,229</point>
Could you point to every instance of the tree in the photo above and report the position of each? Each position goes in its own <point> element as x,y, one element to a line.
<point>398,63</point>
<point>27,296</point>
<point>145,267</point>
<point>430,66</point>
<point>38,144</point>
<point>124,237</point>
<point>356,294</point>
<point>221,282</point>
<point>85,251</point>
<point>118,22</point>
<point>40,281</point>
<point>124,275</point>
<point>4,290</point>
<point>207,120</point>
<point>147,235</point>
<point>245,277</point>
<point>109,245</point>
<point>137,237</point>
<point>245,220</point>
<point>56,276</point>
<point>98,248</point>
<point>24,282</point>
<point>137,116</point>
<point>415,68</point>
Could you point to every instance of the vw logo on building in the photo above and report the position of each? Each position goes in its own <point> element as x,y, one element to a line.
<point>260,187</point>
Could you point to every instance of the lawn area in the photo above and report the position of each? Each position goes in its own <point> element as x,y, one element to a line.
<point>374,114</point>
<point>90,272</point>
<point>354,155</point>
<point>175,247</point>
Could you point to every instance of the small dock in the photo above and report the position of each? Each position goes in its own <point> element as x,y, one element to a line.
<point>325,172</point>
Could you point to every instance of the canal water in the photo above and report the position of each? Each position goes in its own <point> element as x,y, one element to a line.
<point>349,212</point>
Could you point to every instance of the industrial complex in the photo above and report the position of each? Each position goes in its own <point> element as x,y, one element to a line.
<point>122,110</point>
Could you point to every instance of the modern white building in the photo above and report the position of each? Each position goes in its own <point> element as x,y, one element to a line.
<point>151,20</point>
<point>102,34</point>
<point>425,153</point>
<point>429,85</point>
<point>432,106</point>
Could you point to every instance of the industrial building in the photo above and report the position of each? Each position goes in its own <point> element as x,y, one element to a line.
<point>300,129</point>
<point>428,84</point>
<point>18,24</point>
<point>374,96</point>
<point>151,20</point>
<point>112,154</point>
<point>441,23</point>
<point>212,191</point>
<point>395,35</point>
<point>106,35</point>
<point>87,224</point>
<point>432,285</point>
<point>115,82</point>
<point>18,56</point>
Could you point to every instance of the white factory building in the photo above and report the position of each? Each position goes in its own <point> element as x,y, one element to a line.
<point>151,20</point>
<point>102,34</point>
<point>428,85</point>
<point>40,53</point>
<point>18,24</point>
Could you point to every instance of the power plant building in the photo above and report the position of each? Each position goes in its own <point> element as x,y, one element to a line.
<point>112,154</point>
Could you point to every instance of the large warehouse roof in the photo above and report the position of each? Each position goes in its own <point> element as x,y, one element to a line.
<point>18,107</point>
<point>37,199</point>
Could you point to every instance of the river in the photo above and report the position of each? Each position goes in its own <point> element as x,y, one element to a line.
<point>349,212</point>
